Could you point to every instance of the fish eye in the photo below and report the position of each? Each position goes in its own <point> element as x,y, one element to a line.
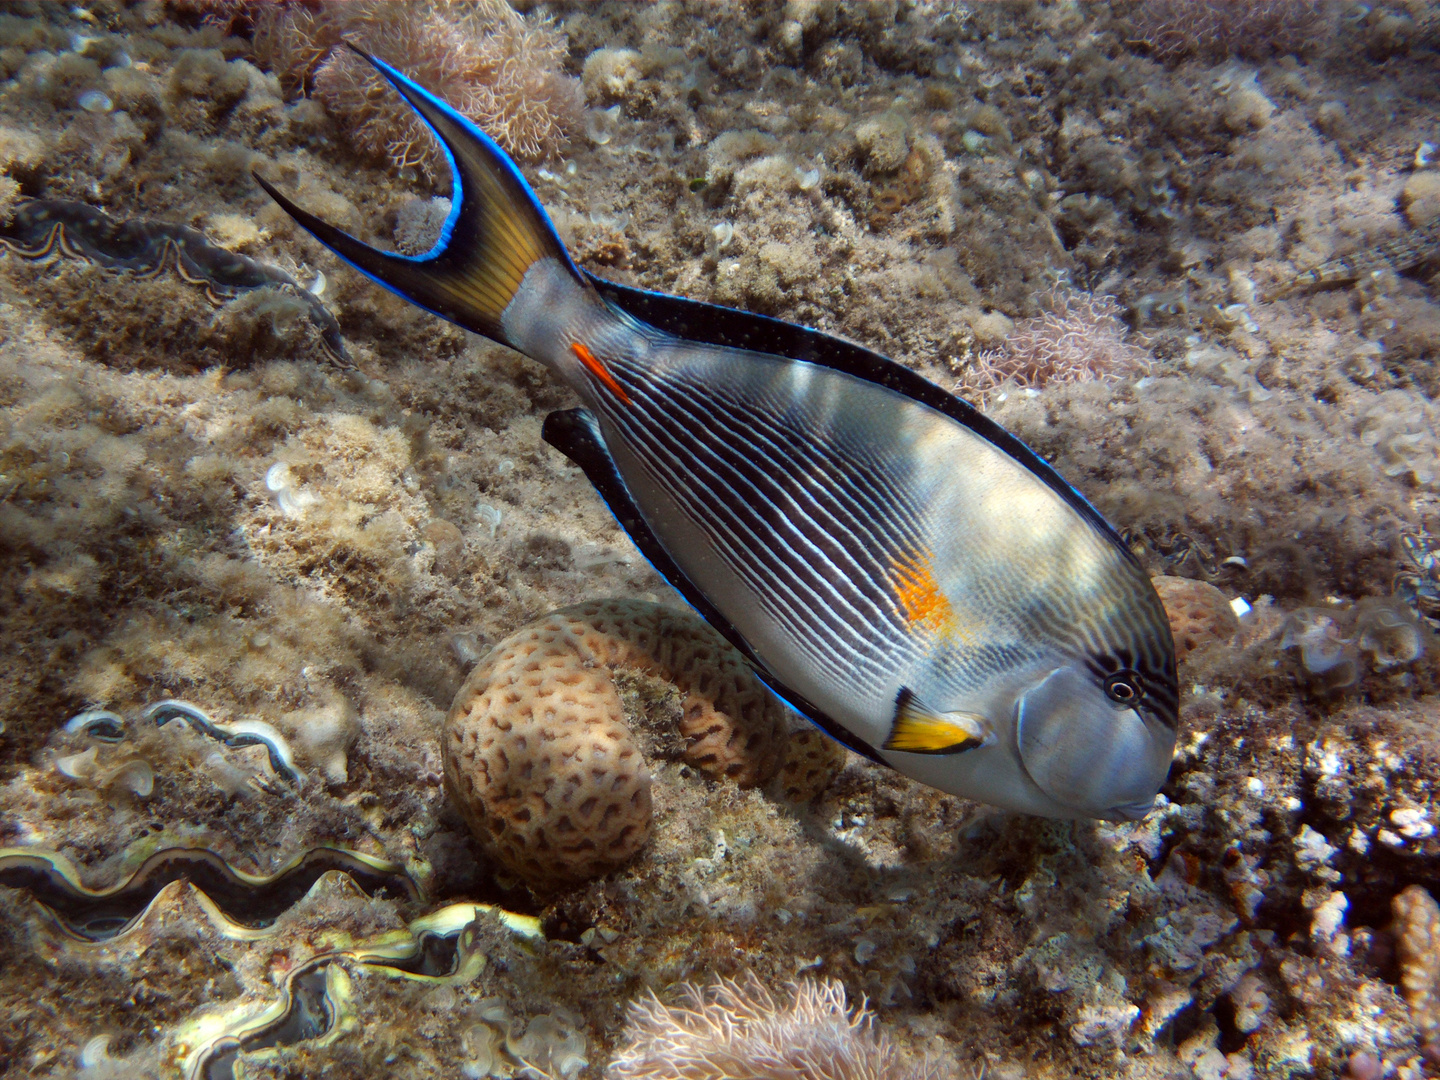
<point>1123,687</point>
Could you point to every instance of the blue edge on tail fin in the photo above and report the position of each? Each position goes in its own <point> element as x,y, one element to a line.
<point>457,188</point>
<point>575,433</point>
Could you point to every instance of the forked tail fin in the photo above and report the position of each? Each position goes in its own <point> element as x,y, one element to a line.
<point>495,232</point>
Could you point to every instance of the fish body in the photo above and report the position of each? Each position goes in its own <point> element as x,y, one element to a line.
<point>894,565</point>
<point>1409,252</point>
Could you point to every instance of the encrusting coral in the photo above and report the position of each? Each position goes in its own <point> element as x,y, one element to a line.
<point>539,759</point>
<point>738,1031</point>
<point>491,64</point>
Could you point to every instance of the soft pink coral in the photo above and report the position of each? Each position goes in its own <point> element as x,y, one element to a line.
<point>1079,338</point>
<point>497,68</point>
<point>738,1031</point>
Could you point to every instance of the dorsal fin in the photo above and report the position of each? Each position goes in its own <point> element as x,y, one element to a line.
<point>715,325</point>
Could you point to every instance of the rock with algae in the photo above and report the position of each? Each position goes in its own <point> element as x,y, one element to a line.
<point>538,756</point>
<point>1417,945</point>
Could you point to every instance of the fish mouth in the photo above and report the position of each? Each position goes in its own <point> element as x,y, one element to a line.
<point>1132,811</point>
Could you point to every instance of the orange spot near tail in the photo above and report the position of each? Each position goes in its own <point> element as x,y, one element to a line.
<point>596,368</point>
<point>920,598</point>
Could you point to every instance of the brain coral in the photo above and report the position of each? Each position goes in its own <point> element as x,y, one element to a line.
<point>812,760</point>
<point>1199,613</point>
<point>538,756</point>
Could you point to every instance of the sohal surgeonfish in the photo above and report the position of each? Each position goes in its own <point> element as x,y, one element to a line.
<point>895,566</point>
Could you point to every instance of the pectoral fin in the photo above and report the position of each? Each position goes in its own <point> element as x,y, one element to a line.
<point>919,729</point>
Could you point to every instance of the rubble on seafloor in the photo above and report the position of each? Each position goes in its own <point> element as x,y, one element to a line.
<point>1186,252</point>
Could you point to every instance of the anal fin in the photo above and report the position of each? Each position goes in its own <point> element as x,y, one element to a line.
<point>919,729</point>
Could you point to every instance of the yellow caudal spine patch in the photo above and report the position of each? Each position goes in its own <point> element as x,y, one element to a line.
<point>919,598</point>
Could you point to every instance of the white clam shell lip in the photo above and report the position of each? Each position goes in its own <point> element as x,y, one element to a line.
<point>238,733</point>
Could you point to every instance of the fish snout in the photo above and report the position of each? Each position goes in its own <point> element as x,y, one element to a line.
<point>1136,811</point>
<point>1094,757</point>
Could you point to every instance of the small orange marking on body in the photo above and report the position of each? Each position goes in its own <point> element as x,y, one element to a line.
<point>595,367</point>
<point>921,601</point>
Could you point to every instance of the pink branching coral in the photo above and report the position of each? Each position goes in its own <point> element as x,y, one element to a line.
<point>1079,338</point>
<point>497,68</point>
<point>1175,28</point>
<point>738,1031</point>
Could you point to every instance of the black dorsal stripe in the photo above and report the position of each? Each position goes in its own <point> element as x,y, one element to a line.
<point>575,434</point>
<point>712,324</point>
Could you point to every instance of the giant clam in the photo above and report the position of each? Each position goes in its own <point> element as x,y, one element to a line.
<point>180,959</point>
<point>312,928</point>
